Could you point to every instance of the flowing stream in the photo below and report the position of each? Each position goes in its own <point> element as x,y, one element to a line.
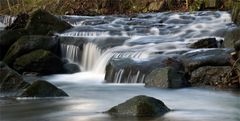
<point>94,41</point>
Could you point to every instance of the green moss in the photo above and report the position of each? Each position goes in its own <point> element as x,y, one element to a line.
<point>35,55</point>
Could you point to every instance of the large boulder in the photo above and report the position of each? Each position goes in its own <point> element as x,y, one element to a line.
<point>166,78</point>
<point>205,57</point>
<point>41,88</point>
<point>140,106</point>
<point>41,23</point>
<point>216,76</point>
<point>27,44</point>
<point>231,38</point>
<point>7,38</point>
<point>10,80</point>
<point>39,61</point>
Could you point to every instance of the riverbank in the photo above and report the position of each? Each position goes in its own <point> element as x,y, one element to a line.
<point>107,7</point>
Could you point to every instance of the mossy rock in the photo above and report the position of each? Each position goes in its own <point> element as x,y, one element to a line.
<point>27,44</point>
<point>140,106</point>
<point>42,23</point>
<point>39,61</point>
<point>42,88</point>
<point>7,38</point>
<point>10,80</point>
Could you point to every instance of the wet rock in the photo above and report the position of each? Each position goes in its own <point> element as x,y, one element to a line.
<point>39,61</point>
<point>140,106</point>
<point>231,37</point>
<point>71,68</point>
<point>166,78</point>
<point>10,80</point>
<point>41,88</point>
<point>205,43</point>
<point>205,57</point>
<point>41,23</point>
<point>19,23</point>
<point>216,76</point>
<point>27,44</point>
<point>7,38</point>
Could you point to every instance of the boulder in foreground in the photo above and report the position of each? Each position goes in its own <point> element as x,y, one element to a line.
<point>41,88</point>
<point>140,106</point>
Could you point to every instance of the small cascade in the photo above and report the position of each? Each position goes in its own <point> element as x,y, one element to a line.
<point>130,78</point>
<point>85,34</point>
<point>90,56</point>
<point>7,20</point>
<point>109,54</point>
<point>144,38</point>
<point>71,52</point>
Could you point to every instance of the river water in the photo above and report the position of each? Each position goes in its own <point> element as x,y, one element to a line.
<point>144,35</point>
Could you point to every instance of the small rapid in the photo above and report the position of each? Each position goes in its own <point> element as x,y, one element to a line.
<point>145,35</point>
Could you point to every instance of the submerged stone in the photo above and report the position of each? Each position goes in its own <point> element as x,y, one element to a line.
<point>140,106</point>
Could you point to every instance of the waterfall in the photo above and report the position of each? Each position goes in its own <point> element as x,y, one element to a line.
<point>72,53</point>
<point>90,56</point>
